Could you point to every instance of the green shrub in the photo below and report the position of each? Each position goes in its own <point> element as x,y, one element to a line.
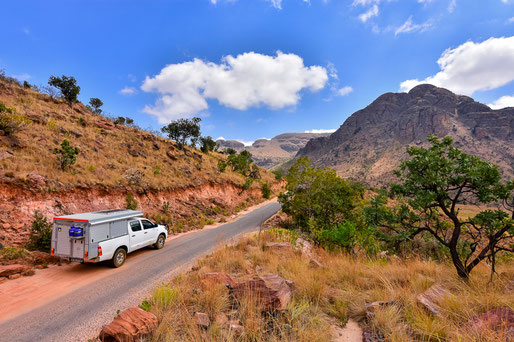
<point>279,174</point>
<point>207,144</point>
<point>91,168</point>
<point>266,191</point>
<point>145,305</point>
<point>66,155</point>
<point>248,183</point>
<point>156,171</point>
<point>222,166</point>
<point>13,253</point>
<point>10,122</point>
<point>131,202</point>
<point>40,233</point>
<point>164,296</point>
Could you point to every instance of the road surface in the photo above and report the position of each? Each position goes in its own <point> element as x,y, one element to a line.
<point>78,314</point>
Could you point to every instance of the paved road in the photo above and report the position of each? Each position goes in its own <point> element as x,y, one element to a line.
<point>78,315</point>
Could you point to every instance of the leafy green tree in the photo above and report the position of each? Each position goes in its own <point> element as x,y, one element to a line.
<point>68,87</point>
<point>229,151</point>
<point>66,155</point>
<point>316,198</point>
<point>240,162</point>
<point>266,191</point>
<point>40,233</point>
<point>279,174</point>
<point>96,103</point>
<point>433,183</point>
<point>183,130</point>
<point>26,85</point>
<point>207,144</point>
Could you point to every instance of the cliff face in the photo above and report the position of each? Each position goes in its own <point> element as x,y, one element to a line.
<point>371,142</point>
<point>272,152</point>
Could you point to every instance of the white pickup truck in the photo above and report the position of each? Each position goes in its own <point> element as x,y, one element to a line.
<point>104,235</point>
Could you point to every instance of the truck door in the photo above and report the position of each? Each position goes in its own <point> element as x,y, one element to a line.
<point>150,231</point>
<point>137,236</point>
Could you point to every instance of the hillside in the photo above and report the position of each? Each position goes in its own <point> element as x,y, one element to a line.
<point>115,161</point>
<point>272,152</point>
<point>371,142</point>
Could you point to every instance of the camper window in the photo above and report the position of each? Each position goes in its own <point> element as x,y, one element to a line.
<point>148,224</point>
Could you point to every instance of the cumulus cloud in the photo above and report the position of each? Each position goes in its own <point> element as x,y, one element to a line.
<point>502,102</point>
<point>321,131</point>
<point>127,91</point>
<point>372,12</point>
<point>410,27</point>
<point>473,66</point>
<point>247,80</point>
<point>344,91</point>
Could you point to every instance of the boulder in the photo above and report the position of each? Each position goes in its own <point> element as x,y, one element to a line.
<point>202,319</point>
<point>432,298</point>
<point>131,325</point>
<point>283,246</point>
<point>171,155</point>
<point>305,246</point>
<point>14,276</point>
<point>236,327</point>
<point>6,154</point>
<point>41,258</point>
<point>8,270</point>
<point>36,180</point>
<point>500,320</point>
<point>313,263</point>
<point>270,290</point>
<point>218,278</point>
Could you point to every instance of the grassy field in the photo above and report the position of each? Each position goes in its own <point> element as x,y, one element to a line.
<point>107,151</point>
<point>326,296</point>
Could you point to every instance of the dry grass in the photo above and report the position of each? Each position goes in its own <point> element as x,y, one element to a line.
<point>333,293</point>
<point>104,152</point>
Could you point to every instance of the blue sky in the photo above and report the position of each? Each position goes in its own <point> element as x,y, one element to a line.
<point>258,68</point>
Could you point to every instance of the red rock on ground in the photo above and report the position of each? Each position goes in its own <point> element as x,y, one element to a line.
<point>44,258</point>
<point>270,290</point>
<point>433,297</point>
<point>8,270</point>
<point>202,319</point>
<point>218,278</point>
<point>279,246</point>
<point>131,325</point>
<point>500,320</point>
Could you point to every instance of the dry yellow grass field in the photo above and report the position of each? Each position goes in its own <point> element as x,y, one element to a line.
<point>107,151</point>
<point>326,296</point>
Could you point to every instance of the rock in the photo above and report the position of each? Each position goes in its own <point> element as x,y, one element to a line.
<point>500,320</point>
<point>291,284</point>
<point>508,287</point>
<point>155,145</point>
<point>6,154</point>
<point>105,124</point>
<point>131,325</point>
<point>75,133</point>
<point>305,246</point>
<point>371,308</point>
<point>15,276</point>
<point>432,298</point>
<point>36,180</point>
<point>270,290</point>
<point>7,270</point>
<point>202,319</point>
<point>44,258</point>
<point>236,327</point>
<point>219,278</point>
<point>221,319</point>
<point>133,153</point>
<point>170,155</point>
<point>279,246</point>
<point>313,263</point>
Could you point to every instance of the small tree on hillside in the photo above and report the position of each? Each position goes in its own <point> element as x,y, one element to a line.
<point>433,183</point>
<point>207,144</point>
<point>183,130</point>
<point>68,87</point>
<point>241,162</point>
<point>66,155</point>
<point>96,103</point>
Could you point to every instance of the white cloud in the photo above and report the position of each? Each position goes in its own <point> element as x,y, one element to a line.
<point>502,102</point>
<point>344,91</point>
<point>127,91</point>
<point>220,138</point>
<point>410,27</point>
<point>511,20</point>
<point>276,3</point>
<point>452,5</point>
<point>22,77</point>
<point>364,2</point>
<point>321,131</point>
<point>372,12</point>
<point>473,66</point>
<point>247,80</point>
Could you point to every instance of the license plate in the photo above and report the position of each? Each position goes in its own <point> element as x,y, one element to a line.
<point>75,260</point>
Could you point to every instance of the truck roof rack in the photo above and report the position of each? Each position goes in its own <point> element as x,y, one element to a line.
<point>101,216</point>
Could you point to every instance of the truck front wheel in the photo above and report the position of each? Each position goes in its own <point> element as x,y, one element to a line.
<point>160,241</point>
<point>119,257</point>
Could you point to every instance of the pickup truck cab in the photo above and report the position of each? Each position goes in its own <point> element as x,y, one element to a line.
<point>105,235</point>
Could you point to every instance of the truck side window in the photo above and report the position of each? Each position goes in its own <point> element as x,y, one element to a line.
<point>135,226</point>
<point>148,225</point>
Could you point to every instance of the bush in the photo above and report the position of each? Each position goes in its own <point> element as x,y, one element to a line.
<point>66,155</point>
<point>240,162</point>
<point>40,233</point>
<point>279,174</point>
<point>96,103</point>
<point>207,144</point>
<point>248,183</point>
<point>131,202</point>
<point>26,85</point>
<point>266,191</point>
<point>13,253</point>
<point>222,166</point>
<point>10,122</point>
<point>349,237</point>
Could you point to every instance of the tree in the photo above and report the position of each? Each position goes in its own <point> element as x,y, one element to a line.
<point>207,144</point>
<point>183,130</point>
<point>240,162</point>
<point>433,183</point>
<point>40,233</point>
<point>26,85</point>
<point>10,122</point>
<point>66,155</point>
<point>317,199</point>
<point>96,103</point>
<point>68,87</point>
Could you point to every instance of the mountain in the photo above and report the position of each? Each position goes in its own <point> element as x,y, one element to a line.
<point>269,153</point>
<point>372,141</point>
<point>116,163</point>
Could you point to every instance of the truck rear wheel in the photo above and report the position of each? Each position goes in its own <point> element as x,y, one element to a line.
<point>160,241</point>
<point>119,257</point>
